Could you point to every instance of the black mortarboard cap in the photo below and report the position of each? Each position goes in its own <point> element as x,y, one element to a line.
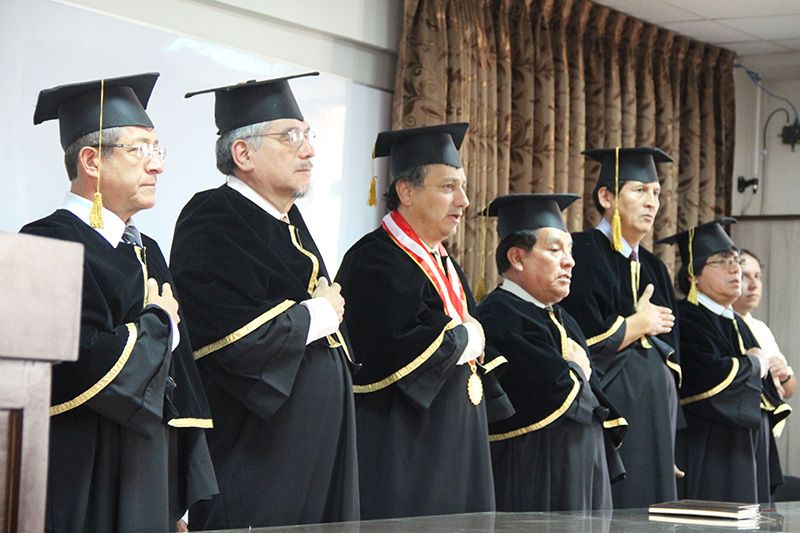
<point>518,212</point>
<point>77,106</point>
<point>635,164</point>
<point>415,147</point>
<point>253,102</point>
<point>707,239</point>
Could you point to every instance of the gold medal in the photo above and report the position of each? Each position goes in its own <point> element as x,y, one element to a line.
<point>474,385</point>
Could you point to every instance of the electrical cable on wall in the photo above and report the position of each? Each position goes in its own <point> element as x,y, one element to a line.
<point>790,134</point>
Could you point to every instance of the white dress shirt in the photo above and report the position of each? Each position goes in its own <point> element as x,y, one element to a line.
<point>605,227</point>
<point>766,339</point>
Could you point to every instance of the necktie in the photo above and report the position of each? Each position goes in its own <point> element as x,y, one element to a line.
<point>634,256</point>
<point>284,218</point>
<point>131,236</point>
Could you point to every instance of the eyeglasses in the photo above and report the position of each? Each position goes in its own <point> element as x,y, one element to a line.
<point>296,136</point>
<point>143,150</point>
<point>726,263</point>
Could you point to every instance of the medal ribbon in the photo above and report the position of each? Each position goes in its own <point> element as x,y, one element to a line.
<point>448,287</point>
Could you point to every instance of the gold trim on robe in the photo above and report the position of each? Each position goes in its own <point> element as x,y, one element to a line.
<point>716,390</point>
<point>494,363</point>
<point>204,423</point>
<point>603,336</point>
<point>576,387</point>
<point>104,381</point>
<point>241,332</point>
<point>410,367</point>
<point>615,422</point>
<point>295,234</point>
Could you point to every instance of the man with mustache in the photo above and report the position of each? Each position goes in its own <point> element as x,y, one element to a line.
<point>728,396</point>
<point>420,405</point>
<point>623,300</point>
<point>558,451</point>
<point>265,324</point>
<point>127,419</point>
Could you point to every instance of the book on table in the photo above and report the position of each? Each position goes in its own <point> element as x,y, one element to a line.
<point>706,508</point>
<point>744,523</point>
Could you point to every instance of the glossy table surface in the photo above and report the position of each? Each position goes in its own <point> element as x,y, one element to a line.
<point>784,516</point>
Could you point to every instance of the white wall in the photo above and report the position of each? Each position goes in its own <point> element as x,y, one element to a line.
<point>747,141</point>
<point>778,169</point>
<point>353,39</point>
<point>197,44</point>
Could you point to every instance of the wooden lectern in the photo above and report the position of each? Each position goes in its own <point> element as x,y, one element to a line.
<point>40,309</point>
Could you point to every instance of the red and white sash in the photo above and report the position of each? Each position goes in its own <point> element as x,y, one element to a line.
<point>449,287</point>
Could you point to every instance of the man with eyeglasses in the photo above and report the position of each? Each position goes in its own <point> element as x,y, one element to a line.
<point>127,444</point>
<point>728,396</point>
<point>752,285</point>
<point>622,298</point>
<point>264,321</point>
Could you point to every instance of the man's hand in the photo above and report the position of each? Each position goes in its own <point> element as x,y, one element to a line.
<point>332,293</point>
<point>763,359</point>
<point>778,368</point>
<point>472,320</point>
<point>165,300</point>
<point>780,372</point>
<point>656,319</point>
<point>678,472</point>
<point>577,354</point>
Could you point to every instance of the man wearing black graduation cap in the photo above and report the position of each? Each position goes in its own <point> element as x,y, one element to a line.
<point>728,396</point>
<point>623,300</point>
<point>421,411</point>
<point>265,323</point>
<point>127,449</point>
<point>552,454</point>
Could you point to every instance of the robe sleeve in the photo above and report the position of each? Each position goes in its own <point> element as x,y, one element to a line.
<point>719,382</point>
<point>582,409</point>
<point>259,367</point>
<point>397,324</point>
<point>122,369</point>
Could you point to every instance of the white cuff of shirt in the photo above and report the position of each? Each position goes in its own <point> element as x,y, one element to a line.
<point>473,349</point>
<point>763,367</point>
<point>324,320</point>
<point>176,335</point>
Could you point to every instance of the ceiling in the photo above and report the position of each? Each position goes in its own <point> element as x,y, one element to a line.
<point>764,33</point>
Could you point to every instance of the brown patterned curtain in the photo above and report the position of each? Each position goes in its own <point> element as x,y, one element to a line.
<point>541,80</point>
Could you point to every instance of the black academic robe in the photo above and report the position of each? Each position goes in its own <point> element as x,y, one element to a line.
<point>728,445</point>
<point>283,442</point>
<point>552,454</point>
<point>127,452</point>
<point>423,446</point>
<point>641,380</point>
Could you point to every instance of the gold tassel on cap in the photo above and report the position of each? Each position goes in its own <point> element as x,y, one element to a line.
<point>96,211</point>
<point>616,223</point>
<point>692,296</point>
<point>373,195</point>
